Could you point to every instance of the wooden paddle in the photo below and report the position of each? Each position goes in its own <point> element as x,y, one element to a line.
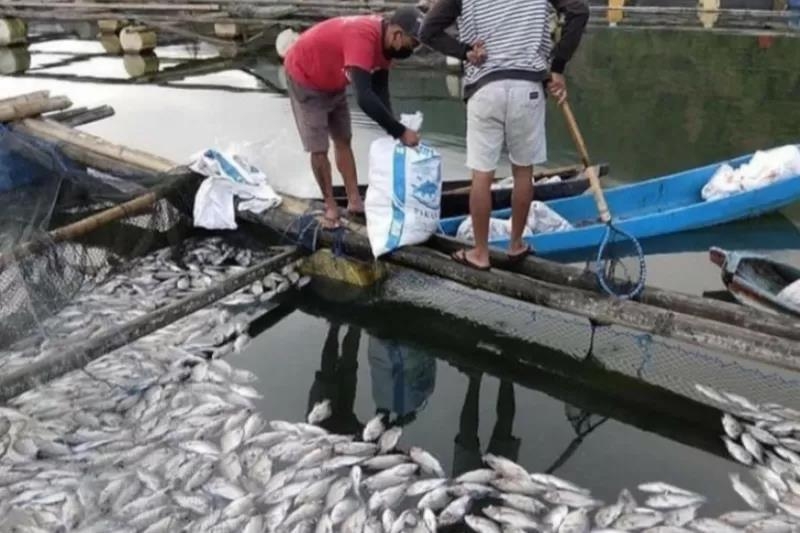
<point>590,170</point>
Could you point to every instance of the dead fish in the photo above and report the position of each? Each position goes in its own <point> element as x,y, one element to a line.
<point>608,514</point>
<point>387,497</point>
<point>321,411</point>
<point>518,486</point>
<point>639,519</point>
<point>481,524</point>
<point>523,503</point>
<point>373,429</point>
<point>505,466</point>
<point>712,394</point>
<point>388,440</point>
<point>435,499</point>
<point>681,516</point>
<point>342,510</point>
<point>570,499</point>
<point>364,448</point>
<point>424,486</point>
<point>575,522</point>
<point>455,511</point>
<point>712,525</point>
<point>661,487</point>
<point>481,475</point>
<point>762,435</point>
<point>737,452</point>
<point>553,519</point>
<point>743,518</point>
<point>671,501</point>
<point>427,462</point>
<point>557,482</point>
<point>752,446</point>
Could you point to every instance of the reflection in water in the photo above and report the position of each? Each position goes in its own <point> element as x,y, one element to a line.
<point>14,59</point>
<point>137,65</point>
<point>403,378</point>
<point>467,453</point>
<point>336,380</point>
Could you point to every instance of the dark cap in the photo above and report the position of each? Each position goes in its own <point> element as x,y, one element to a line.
<point>409,18</point>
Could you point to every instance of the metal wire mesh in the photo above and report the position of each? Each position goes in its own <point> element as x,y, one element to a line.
<point>662,362</point>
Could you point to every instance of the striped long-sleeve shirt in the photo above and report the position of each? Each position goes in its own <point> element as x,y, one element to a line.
<point>516,35</point>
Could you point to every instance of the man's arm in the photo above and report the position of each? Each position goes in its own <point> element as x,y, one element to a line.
<point>576,15</point>
<point>380,84</point>
<point>441,16</point>
<point>372,103</point>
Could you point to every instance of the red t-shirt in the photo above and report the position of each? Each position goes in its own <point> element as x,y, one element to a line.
<point>319,56</point>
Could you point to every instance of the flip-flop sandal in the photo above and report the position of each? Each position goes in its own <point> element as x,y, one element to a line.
<point>519,256</point>
<point>359,216</point>
<point>460,256</point>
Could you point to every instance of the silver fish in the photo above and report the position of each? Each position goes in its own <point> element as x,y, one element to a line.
<point>608,514</point>
<point>753,446</point>
<point>518,485</point>
<point>712,525</point>
<point>554,481</point>
<point>575,522</point>
<point>639,520</point>
<point>435,499</point>
<point>743,518</point>
<point>682,515</point>
<point>303,512</point>
<point>425,485</point>
<point>387,497</point>
<point>362,448</point>
<point>553,519</point>
<point>672,501</point>
<point>427,462</point>
<point>481,475</point>
<point>254,525</point>
<point>355,522</point>
<point>342,510</point>
<point>276,515</point>
<point>321,411</point>
<point>454,511</point>
<point>737,452</point>
<point>481,525</point>
<point>762,435</point>
<point>661,487</point>
<point>505,466</point>
<point>389,439</point>
<point>373,429</point>
<point>571,499</point>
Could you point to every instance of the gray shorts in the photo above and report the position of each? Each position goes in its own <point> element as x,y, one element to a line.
<point>319,115</point>
<point>509,112</point>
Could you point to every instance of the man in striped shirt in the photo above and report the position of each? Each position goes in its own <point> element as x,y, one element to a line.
<point>508,49</point>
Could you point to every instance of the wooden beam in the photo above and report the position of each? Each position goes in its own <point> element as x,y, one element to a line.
<point>90,115</point>
<point>124,6</point>
<point>591,305</point>
<point>552,272</point>
<point>25,98</point>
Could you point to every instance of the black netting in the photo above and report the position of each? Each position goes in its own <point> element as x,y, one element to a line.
<point>41,190</point>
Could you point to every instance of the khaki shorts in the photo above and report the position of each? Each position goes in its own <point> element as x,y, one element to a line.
<point>509,112</point>
<point>318,116</point>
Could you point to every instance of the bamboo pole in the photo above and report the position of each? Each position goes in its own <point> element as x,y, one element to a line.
<point>25,98</point>
<point>60,116</point>
<point>89,116</point>
<point>32,108</point>
<point>53,131</point>
<point>132,207</point>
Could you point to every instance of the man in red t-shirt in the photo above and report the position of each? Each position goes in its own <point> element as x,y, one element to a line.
<point>319,66</point>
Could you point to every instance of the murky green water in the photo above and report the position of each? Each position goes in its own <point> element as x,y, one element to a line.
<point>649,103</point>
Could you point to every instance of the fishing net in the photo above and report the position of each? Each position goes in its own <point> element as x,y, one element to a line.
<point>668,364</point>
<point>41,189</point>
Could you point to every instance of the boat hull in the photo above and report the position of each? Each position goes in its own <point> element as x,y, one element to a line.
<point>655,207</point>
<point>455,194</point>
<point>755,280</point>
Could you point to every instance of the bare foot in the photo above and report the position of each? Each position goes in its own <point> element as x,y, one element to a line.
<point>355,206</point>
<point>331,218</point>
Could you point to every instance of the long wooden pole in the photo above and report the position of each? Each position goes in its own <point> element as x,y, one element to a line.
<point>23,98</point>
<point>146,6</point>
<point>32,108</point>
<point>53,131</point>
<point>135,206</point>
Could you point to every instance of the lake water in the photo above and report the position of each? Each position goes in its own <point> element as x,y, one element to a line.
<point>648,102</point>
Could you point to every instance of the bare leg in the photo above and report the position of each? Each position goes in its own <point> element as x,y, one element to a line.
<point>346,164</point>
<point>322,173</point>
<point>480,208</point>
<point>521,199</point>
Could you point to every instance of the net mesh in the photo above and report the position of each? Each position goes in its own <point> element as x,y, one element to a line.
<point>662,362</point>
<point>42,189</point>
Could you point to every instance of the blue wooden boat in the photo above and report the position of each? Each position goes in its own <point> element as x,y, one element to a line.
<point>658,206</point>
<point>756,280</point>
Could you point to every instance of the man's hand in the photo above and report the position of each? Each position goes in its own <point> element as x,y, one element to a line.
<point>557,86</point>
<point>477,55</point>
<point>410,138</point>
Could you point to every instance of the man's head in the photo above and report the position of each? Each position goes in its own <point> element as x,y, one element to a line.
<point>402,32</point>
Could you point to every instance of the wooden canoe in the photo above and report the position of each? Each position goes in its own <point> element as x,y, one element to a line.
<point>756,280</point>
<point>651,208</point>
<point>455,194</point>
